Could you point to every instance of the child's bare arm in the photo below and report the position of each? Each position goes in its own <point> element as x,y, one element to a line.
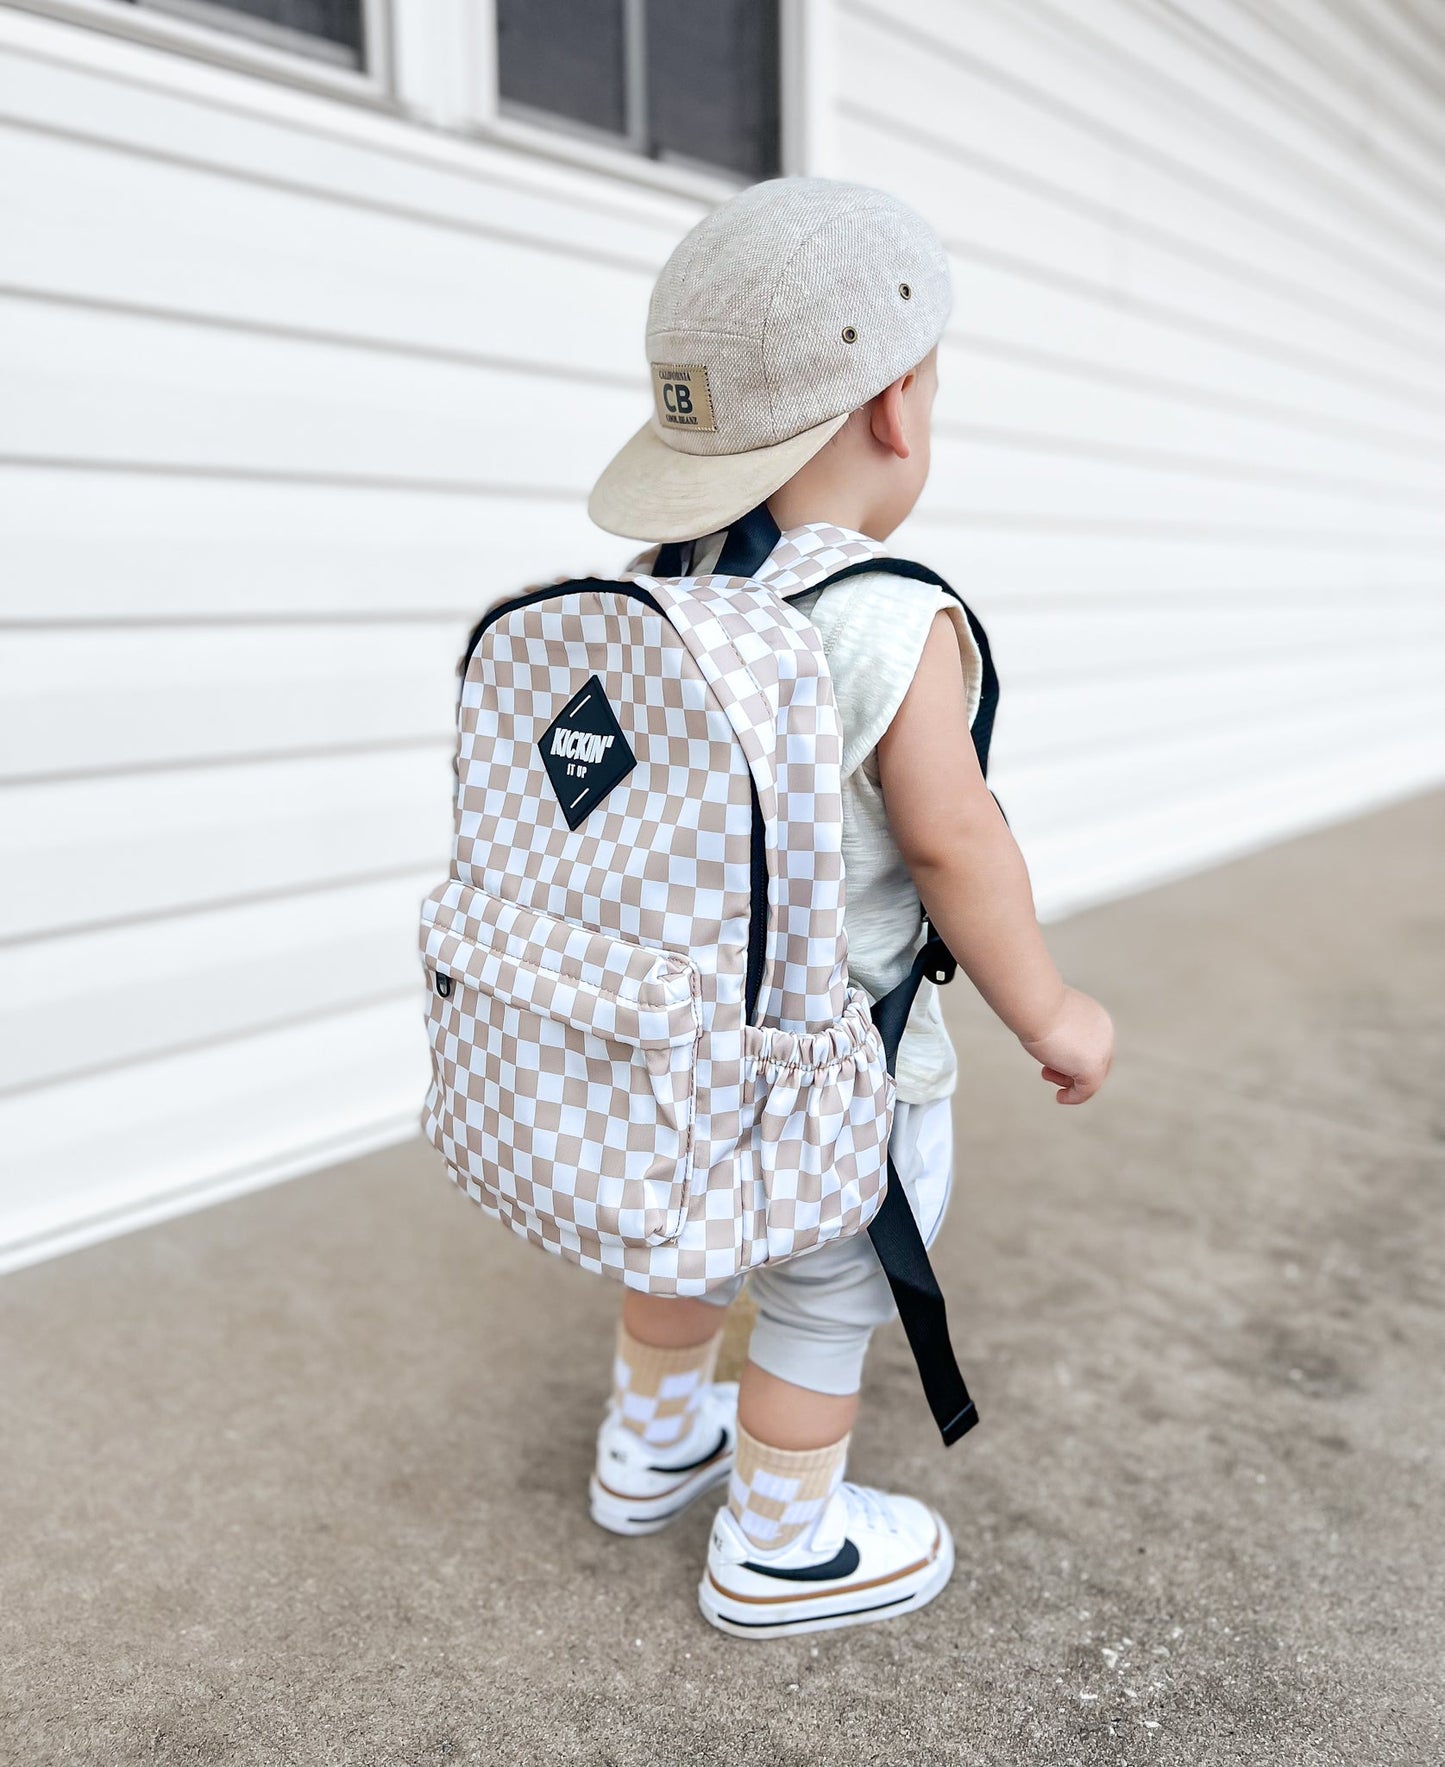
<point>972,878</point>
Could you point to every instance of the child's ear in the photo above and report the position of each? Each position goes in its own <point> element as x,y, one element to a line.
<point>885,416</point>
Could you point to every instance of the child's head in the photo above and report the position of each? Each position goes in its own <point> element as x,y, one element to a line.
<point>793,340</point>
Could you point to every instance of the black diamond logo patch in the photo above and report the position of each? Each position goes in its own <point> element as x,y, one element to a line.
<point>585,752</point>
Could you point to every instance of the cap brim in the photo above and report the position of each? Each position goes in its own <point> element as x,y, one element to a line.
<point>651,491</point>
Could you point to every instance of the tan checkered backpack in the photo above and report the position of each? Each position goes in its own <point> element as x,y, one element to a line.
<point>647,1054</point>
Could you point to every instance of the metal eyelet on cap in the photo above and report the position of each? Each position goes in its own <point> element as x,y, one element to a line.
<point>850,334</point>
<point>905,291</point>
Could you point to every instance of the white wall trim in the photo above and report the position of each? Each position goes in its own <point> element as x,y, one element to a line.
<point>234,49</point>
<point>435,107</point>
<point>559,145</point>
<point>593,153</point>
<point>810,91</point>
<point>533,162</point>
<point>441,59</point>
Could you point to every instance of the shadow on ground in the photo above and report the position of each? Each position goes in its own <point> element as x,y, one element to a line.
<point>300,1479</point>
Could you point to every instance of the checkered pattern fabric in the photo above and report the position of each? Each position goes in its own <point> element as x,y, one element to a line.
<point>776,1494</point>
<point>656,1391</point>
<point>594,1082</point>
<point>550,1043</point>
<point>821,1120</point>
<point>805,556</point>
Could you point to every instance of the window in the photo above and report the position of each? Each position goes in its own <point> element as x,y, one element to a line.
<point>691,82</point>
<point>333,30</point>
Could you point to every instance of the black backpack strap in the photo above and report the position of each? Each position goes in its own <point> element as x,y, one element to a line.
<point>750,540</point>
<point>749,544</point>
<point>670,559</point>
<point>899,1243</point>
<point>982,729</point>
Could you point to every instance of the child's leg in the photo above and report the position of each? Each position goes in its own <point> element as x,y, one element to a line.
<point>796,1550</point>
<point>816,1315</point>
<point>666,1353</point>
<point>785,1450</point>
<point>670,1322</point>
<point>667,1436</point>
<point>799,1393</point>
<point>774,1410</point>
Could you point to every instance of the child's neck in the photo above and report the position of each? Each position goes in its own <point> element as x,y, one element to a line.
<point>796,507</point>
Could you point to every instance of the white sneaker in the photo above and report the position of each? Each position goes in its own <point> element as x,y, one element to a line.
<point>636,1489</point>
<point>869,1556</point>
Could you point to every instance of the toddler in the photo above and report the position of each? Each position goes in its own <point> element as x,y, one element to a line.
<point>793,339</point>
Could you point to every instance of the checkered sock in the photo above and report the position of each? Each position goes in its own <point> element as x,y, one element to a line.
<point>657,1391</point>
<point>777,1493</point>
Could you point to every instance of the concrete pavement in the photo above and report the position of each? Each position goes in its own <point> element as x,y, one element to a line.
<point>301,1479</point>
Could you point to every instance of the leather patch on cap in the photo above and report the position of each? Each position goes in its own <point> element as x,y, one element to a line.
<point>683,398</point>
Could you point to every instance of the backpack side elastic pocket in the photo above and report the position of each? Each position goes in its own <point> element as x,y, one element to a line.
<point>821,1105</point>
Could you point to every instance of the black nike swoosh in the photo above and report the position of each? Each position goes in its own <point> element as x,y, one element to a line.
<point>842,1564</point>
<point>693,1465</point>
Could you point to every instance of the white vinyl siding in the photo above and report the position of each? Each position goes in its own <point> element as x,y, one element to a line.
<point>1190,444</point>
<point>292,388</point>
<point>291,392</point>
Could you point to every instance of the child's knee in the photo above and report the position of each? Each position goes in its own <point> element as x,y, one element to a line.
<point>816,1317</point>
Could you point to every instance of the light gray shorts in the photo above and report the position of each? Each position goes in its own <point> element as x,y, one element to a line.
<point>816,1313</point>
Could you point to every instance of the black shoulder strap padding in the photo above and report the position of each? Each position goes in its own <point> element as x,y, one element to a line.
<point>982,731</point>
<point>669,560</point>
<point>750,541</point>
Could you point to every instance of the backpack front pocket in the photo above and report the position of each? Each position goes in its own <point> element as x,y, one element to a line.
<point>563,1069</point>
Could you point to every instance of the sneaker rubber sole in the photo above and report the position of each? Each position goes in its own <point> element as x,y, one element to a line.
<point>831,1610</point>
<point>639,1515</point>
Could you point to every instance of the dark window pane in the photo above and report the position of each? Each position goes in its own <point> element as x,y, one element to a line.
<point>565,56</point>
<point>712,82</point>
<point>329,21</point>
<point>338,21</point>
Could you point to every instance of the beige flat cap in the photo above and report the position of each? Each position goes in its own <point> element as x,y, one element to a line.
<point>781,312</point>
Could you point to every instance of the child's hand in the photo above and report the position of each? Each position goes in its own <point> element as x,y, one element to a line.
<point>1077,1049</point>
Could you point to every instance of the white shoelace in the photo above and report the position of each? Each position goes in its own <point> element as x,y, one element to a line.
<point>871,1505</point>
